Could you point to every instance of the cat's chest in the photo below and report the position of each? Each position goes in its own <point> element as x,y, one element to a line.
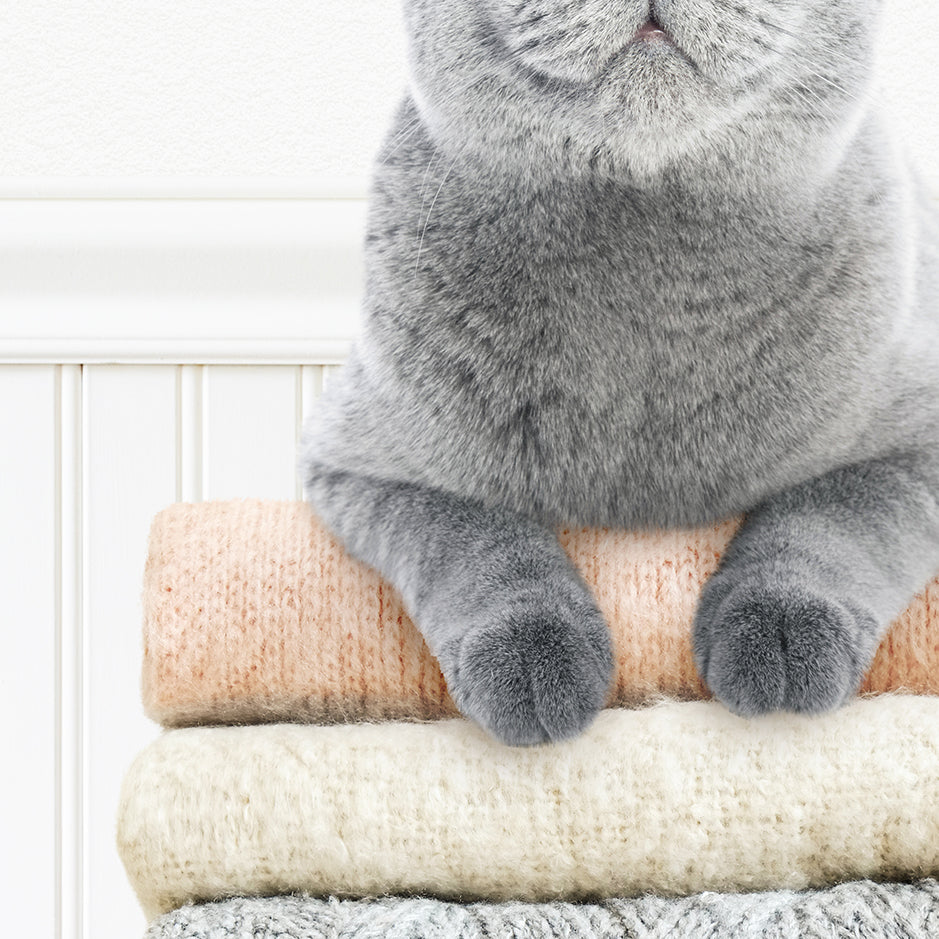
<point>631,354</point>
<point>659,320</point>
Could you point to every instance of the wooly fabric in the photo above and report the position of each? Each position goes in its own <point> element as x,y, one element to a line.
<point>254,612</point>
<point>860,910</point>
<point>673,799</point>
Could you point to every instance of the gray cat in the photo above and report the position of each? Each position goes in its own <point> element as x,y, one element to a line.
<point>641,266</point>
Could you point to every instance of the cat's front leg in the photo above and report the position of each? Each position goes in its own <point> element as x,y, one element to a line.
<point>792,618</point>
<point>521,643</point>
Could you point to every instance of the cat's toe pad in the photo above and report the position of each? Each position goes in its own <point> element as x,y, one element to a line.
<point>762,649</point>
<point>535,675</point>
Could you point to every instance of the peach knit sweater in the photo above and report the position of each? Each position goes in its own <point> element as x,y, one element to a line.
<point>253,612</point>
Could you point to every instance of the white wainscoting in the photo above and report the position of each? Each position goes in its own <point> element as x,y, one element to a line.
<point>151,351</point>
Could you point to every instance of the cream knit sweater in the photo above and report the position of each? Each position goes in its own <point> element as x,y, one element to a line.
<point>675,799</point>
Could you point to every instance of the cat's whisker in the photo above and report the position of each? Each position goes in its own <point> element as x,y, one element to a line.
<point>420,245</point>
<point>427,171</point>
<point>403,136</point>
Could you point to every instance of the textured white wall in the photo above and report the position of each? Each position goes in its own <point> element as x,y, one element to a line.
<point>204,88</point>
<point>909,78</point>
<point>250,88</point>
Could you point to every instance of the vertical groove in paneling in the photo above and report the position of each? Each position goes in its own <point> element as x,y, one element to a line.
<point>57,578</point>
<point>310,387</point>
<point>70,659</point>
<point>298,423</point>
<point>189,433</point>
<point>86,467</point>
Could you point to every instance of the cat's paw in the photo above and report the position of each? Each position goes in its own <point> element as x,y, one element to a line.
<point>770,648</point>
<point>535,674</point>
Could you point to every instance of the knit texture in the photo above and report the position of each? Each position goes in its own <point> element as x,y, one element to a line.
<point>673,799</point>
<point>253,612</point>
<point>860,910</point>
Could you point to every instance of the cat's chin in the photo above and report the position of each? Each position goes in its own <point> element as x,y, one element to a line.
<point>641,158</point>
<point>651,121</point>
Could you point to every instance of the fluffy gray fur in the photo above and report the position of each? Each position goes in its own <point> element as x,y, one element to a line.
<point>641,284</point>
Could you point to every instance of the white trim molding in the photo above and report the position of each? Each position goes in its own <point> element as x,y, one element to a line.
<point>207,280</point>
<point>173,350</point>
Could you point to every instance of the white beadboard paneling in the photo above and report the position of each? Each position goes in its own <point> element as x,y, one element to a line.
<point>180,280</point>
<point>28,864</point>
<point>250,431</point>
<point>129,473</point>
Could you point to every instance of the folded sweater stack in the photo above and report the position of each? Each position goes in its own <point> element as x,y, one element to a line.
<point>351,778</point>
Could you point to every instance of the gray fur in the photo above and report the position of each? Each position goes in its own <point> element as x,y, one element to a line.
<point>624,284</point>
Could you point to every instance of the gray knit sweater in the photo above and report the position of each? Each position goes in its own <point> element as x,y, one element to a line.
<point>861,910</point>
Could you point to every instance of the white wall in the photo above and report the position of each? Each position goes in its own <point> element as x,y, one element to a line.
<point>249,88</point>
<point>909,78</point>
<point>161,349</point>
<point>163,88</point>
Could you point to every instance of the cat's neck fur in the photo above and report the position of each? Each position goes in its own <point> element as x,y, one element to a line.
<point>756,173</point>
